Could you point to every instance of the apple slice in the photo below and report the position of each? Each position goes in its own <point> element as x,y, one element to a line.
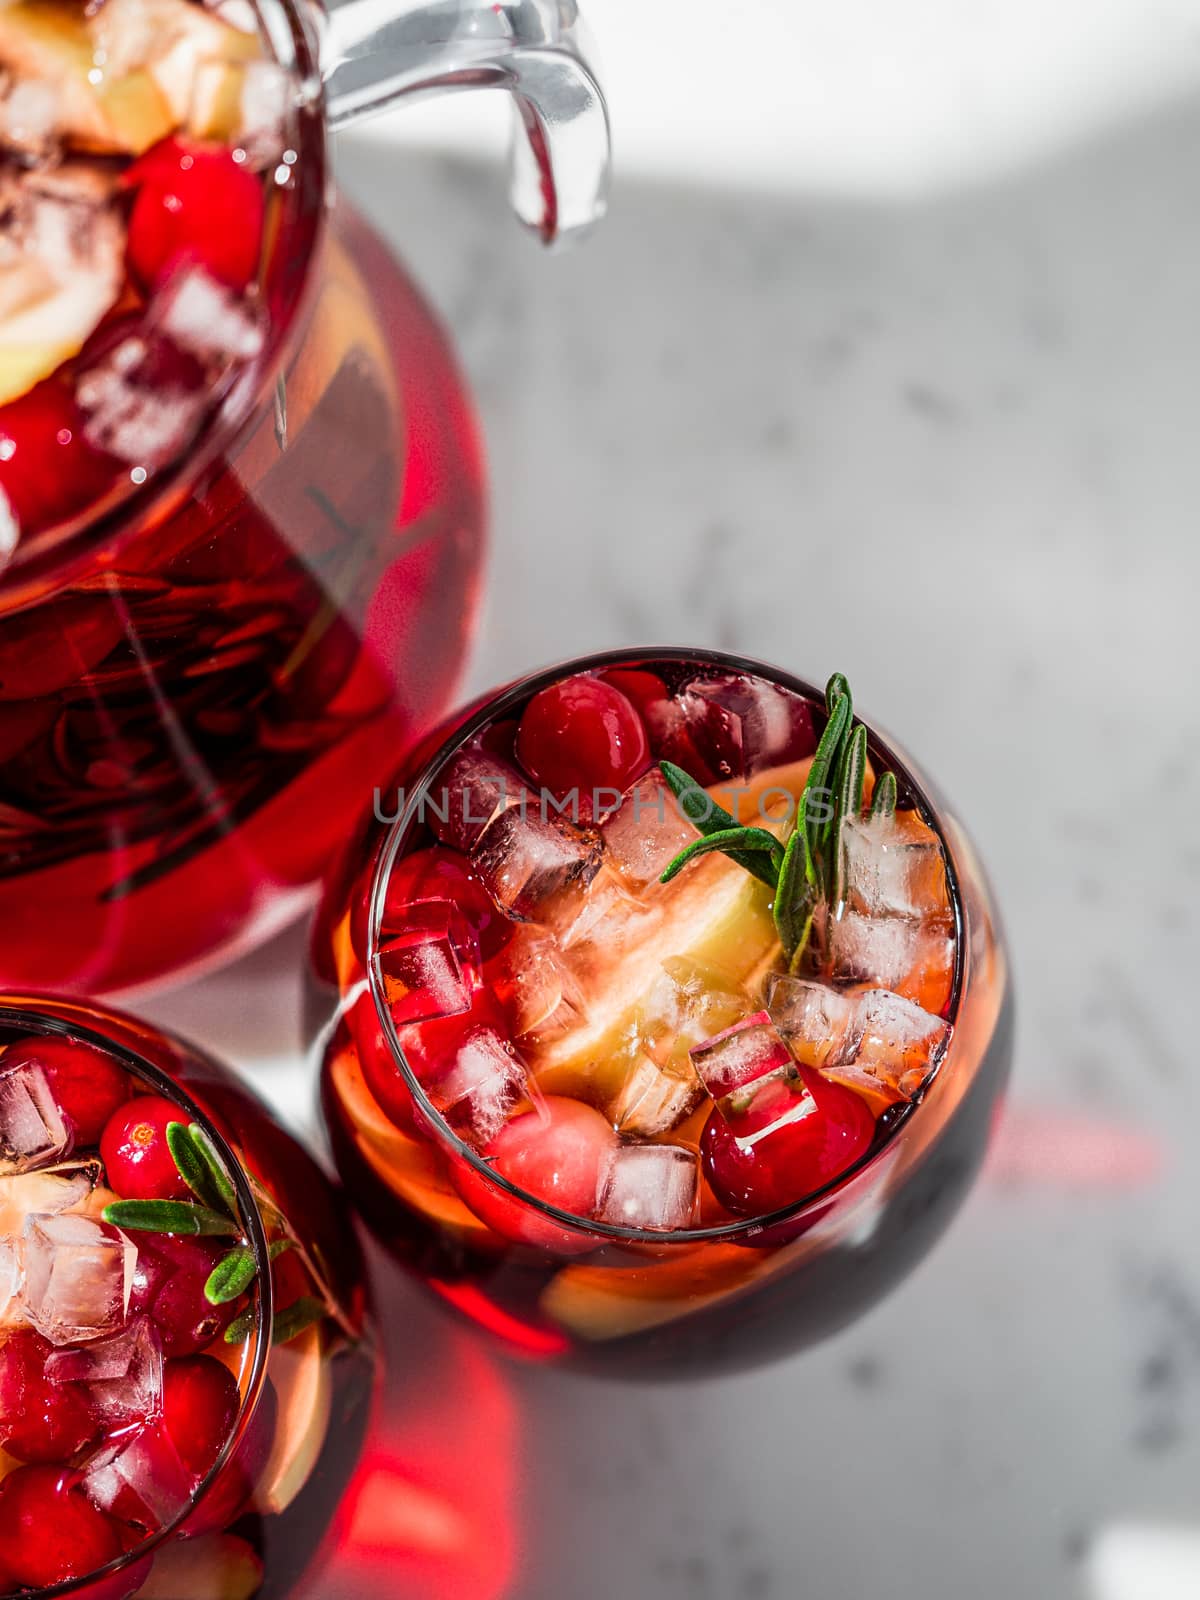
<point>217,1566</point>
<point>68,275</point>
<point>64,1188</point>
<point>123,77</point>
<point>714,914</point>
<point>301,1374</point>
<point>49,41</point>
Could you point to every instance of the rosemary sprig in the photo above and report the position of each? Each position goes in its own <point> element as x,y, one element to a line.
<point>805,874</point>
<point>703,812</point>
<point>214,1213</point>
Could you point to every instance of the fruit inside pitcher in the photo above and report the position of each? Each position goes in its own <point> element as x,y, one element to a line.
<point>147,169</point>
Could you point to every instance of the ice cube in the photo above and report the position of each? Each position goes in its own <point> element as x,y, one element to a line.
<point>206,319</point>
<point>431,968</point>
<point>655,1099</point>
<point>812,1017</point>
<point>536,986</point>
<point>903,954</point>
<point>248,103</point>
<point>487,1081</point>
<point>131,415</point>
<point>140,1478</point>
<point>751,1075</point>
<point>895,1041</point>
<point>650,1186</point>
<point>600,911</point>
<point>647,831</point>
<point>10,1283</point>
<point>29,118</point>
<point>768,1104</point>
<point>744,724</point>
<point>741,1055</point>
<point>469,793</point>
<point>267,99</point>
<point>78,1276</point>
<point>32,1131</point>
<point>536,868</point>
<point>123,1376</point>
<point>47,1191</point>
<point>688,1003</point>
<point>893,866</point>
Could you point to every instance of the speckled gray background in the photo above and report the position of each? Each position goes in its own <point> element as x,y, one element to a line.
<point>954,451</point>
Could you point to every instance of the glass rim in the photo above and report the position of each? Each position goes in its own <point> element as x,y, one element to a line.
<point>34,1021</point>
<point>294,46</point>
<point>491,708</point>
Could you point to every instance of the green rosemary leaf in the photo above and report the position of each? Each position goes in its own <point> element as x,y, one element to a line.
<point>277,1246</point>
<point>697,805</point>
<point>293,1319</point>
<point>849,799</point>
<point>792,891</point>
<point>883,801</point>
<point>827,830</point>
<point>732,841</point>
<point>217,1174</point>
<point>817,809</point>
<point>241,1327</point>
<point>837,688</point>
<point>169,1216</point>
<point>802,943</point>
<point>192,1167</point>
<point>703,812</point>
<point>231,1276</point>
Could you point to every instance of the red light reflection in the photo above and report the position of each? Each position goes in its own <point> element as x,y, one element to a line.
<point>432,1512</point>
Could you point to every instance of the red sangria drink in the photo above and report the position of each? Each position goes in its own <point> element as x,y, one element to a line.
<point>662,1027</point>
<point>184,1367</point>
<point>240,493</point>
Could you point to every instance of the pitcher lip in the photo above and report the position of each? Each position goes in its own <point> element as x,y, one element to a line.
<point>23,1013</point>
<point>292,36</point>
<point>493,708</point>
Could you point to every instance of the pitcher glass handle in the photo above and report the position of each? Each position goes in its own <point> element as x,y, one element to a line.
<point>375,52</point>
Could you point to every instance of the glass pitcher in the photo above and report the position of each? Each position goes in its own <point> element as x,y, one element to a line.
<point>241,498</point>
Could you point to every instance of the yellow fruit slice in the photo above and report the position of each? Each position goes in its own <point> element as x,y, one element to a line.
<point>217,1566</point>
<point>714,914</point>
<point>410,1169</point>
<point>37,337</point>
<point>49,41</point>
<point>300,1372</point>
<point>600,1303</point>
<point>122,77</point>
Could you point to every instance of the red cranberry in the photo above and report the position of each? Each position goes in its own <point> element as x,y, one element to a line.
<point>796,1160</point>
<point>557,1154</point>
<point>645,689</point>
<point>48,471</point>
<point>168,1287</point>
<point>135,1152</point>
<point>49,1530</point>
<point>194,203</point>
<point>200,1406</point>
<point>222,1502</point>
<point>672,737</point>
<point>582,734</point>
<point>87,1084</point>
<point>429,1047</point>
<point>434,874</point>
<point>39,1420</point>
